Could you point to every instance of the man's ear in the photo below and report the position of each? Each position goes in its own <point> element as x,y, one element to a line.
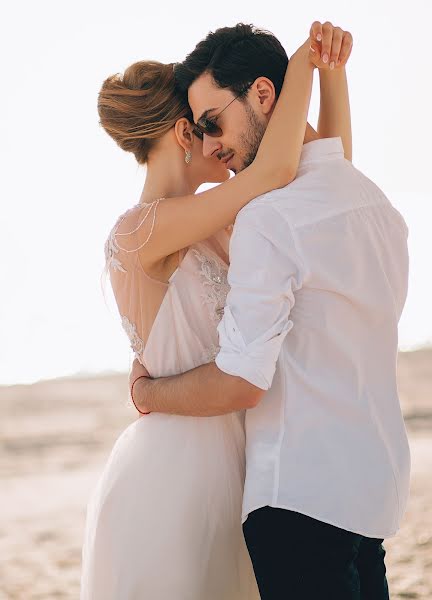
<point>183,133</point>
<point>265,94</point>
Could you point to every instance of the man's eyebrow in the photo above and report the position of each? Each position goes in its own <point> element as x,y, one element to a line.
<point>206,113</point>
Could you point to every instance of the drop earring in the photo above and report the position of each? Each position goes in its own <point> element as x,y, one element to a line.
<point>188,157</point>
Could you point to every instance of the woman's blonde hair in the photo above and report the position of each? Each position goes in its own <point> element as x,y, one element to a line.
<point>140,106</point>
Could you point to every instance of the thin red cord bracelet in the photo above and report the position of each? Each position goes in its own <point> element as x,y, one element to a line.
<point>131,393</point>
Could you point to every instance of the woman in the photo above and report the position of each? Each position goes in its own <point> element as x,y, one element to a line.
<point>164,520</point>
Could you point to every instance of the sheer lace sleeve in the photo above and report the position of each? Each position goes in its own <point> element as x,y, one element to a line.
<point>131,233</point>
<point>137,295</point>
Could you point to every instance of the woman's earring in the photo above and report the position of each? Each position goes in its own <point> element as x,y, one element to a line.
<point>188,157</point>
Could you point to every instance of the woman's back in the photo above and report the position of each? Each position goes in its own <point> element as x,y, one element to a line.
<point>171,325</point>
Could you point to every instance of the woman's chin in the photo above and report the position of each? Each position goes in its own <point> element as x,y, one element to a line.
<point>217,177</point>
<point>224,176</point>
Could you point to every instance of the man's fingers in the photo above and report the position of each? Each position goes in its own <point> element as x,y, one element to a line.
<point>346,48</point>
<point>327,36</point>
<point>138,370</point>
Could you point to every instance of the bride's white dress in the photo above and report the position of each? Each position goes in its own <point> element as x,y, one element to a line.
<point>164,520</point>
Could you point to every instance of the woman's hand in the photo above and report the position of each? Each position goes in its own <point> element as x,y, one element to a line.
<point>330,47</point>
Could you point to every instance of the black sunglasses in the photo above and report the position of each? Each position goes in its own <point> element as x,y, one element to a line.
<point>209,126</point>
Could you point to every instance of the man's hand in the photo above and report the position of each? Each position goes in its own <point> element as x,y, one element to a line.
<point>137,371</point>
<point>330,47</point>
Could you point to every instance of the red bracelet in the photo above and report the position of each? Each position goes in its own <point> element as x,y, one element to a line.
<point>131,393</point>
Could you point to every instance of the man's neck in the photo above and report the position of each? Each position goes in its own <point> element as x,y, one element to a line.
<point>310,134</point>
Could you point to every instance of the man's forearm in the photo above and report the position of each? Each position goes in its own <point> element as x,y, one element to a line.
<point>202,392</point>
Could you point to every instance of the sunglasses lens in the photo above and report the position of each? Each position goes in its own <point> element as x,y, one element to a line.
<point>210,128</point>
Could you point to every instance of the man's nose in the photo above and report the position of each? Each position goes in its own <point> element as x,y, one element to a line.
<point>211,146</point>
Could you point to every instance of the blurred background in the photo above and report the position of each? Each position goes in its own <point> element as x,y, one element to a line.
<point>63,353</point>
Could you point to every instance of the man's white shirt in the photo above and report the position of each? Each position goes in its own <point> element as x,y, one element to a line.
<point>318,278</point>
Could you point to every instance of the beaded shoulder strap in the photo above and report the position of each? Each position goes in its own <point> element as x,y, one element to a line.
<point>153,207</point>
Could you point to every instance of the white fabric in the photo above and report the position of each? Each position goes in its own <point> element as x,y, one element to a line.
<point>164,520</point>
<point>318,280</point>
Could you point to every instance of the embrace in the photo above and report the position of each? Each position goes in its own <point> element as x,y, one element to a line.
<point>270,458</point>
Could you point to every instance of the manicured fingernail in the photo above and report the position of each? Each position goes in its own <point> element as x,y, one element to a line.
<point>312,49</point>
<point>319,37</point>
<point>325,57</point>
<point>332,65</point>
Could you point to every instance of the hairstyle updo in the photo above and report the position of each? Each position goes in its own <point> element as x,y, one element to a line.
<point>140,106</point>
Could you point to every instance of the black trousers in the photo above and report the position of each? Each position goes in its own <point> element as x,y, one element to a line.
<point>298,558</point>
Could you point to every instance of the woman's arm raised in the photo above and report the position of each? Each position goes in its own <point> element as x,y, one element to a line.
<point>183,221</point>
<point>334,44</point>
<point>335,116</point>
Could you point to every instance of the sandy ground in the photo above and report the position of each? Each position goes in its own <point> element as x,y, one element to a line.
<point>55,436</point>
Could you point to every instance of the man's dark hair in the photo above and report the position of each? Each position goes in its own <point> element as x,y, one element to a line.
<point>235,57</point>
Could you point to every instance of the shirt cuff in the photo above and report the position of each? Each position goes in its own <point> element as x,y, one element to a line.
<point>255,362</point>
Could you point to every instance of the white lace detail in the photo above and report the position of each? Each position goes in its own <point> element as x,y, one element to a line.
<point>210,354</point>
<point>137,344</point>
<point>111,249</point>
<point>214,275</point>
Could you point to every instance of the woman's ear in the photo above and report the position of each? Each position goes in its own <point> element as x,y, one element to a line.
<point>183,133</point>
<point>265,94</point>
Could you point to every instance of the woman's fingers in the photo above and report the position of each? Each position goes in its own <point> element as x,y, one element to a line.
<point>315,53</point>
<point>330,47</point>
<point>327,37</point>
<point>315,37</point>
<point>346,48</point>
<point>336,46</point>
<point>316,31</point>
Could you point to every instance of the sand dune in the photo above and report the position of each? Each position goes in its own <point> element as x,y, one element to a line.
<point>56,435</point>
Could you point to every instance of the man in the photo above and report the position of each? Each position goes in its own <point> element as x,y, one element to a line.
<point>318,280</point>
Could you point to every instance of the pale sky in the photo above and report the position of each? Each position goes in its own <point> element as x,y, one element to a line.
<point>64,181</point>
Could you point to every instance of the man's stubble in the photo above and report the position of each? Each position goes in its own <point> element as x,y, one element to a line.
<point>251,138</point>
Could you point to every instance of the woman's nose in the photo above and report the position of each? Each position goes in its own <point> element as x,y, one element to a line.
<point>211,146</point>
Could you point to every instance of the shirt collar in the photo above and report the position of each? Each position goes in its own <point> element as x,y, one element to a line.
<point>321,150</point>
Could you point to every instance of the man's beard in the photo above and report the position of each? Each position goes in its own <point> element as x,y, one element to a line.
<point>251,139</point>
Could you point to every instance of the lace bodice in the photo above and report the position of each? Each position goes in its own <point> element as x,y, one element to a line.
<point>160,318</point>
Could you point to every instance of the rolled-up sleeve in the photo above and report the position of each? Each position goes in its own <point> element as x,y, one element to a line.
<point>264,274</point>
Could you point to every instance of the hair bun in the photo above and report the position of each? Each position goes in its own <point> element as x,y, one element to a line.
<point>138,107</point>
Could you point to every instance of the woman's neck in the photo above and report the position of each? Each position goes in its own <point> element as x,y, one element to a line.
<point>166,179</point>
